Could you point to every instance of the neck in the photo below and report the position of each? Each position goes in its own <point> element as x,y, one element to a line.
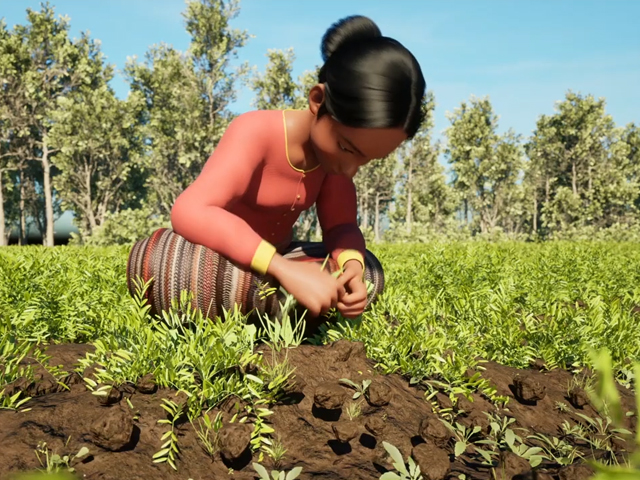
<point>301,153</point>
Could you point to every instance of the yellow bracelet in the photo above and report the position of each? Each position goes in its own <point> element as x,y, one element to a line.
<point>263,256</point>
<point>347,255</point>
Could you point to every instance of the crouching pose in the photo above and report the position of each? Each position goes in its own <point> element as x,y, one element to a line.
<point>231,232</point>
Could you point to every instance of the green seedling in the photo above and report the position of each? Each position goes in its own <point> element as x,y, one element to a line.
<point>404,473</point>
<point>360,390</point>
<point>275,474</point>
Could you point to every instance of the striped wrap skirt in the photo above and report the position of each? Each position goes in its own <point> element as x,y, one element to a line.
<point>172,264</point>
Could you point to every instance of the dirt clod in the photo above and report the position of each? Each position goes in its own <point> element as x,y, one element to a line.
<point>463,406</point>
<point>345,431</point>
<point>477,419</point>
<point>576,472</point>
<point>542,476</point>
<point>538,364</point>
<point>528,389</point>
<point>578,397</point>
<point>379,394</point>
<point>375,426</point>
<point>342,350</point>
<point>433,429</point>
<point>113,396</point>
<point>234,440</point>
<point>329,396</point>
<point>231,406</point>
<point>113,429</point>
<point>511,465</point>
<point>147,384</point>
<point>433,461</point>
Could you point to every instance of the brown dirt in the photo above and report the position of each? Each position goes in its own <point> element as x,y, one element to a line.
<point>313,423</point>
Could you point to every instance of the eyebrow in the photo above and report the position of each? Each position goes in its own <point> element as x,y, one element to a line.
<point>352,145</point>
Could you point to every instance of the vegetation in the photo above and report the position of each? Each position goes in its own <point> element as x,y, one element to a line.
<point>465,302</point>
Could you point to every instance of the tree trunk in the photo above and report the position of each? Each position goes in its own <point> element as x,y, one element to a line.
<point>547,188</point>
<point>409,198</point>
<point>466,211</point>
<point>48,195</point>
<point>377,219</point>
<point>91,218</point>
<point>3,238</point>
<point>535,214</point>
<point>23,220</point>
<point>574,178</point>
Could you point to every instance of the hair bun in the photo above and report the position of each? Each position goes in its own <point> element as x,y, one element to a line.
<point>349,29</point>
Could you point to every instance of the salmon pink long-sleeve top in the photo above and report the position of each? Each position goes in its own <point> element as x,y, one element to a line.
<point>248,196</point>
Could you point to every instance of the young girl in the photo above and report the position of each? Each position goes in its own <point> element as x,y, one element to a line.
<point>231,229</point>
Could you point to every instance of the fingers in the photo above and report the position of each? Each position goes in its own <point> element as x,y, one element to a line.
<point>351,311</point>
<point>345,278</point>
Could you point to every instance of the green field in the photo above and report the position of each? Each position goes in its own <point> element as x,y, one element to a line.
<point>445,308</point>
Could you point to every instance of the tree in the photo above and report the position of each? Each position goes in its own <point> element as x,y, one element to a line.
<point>56,66</point>
<point>486,166</point>
<point>99,143</point>
<point>275,89</point>
<point>579,166</point>
<point>424,196</point>
<point>187,97</point>
<point>631,138</point>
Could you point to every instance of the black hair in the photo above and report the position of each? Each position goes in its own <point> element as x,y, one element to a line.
<point>371,81</point>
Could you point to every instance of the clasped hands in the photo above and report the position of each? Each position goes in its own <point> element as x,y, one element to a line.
<point>319,291</point>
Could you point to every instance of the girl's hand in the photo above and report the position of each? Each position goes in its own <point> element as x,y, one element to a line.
<point>317,290</point>
<point>353,302</point>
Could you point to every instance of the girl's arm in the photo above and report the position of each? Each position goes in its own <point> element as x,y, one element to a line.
<point>199,213</point>
<point>337,212</point>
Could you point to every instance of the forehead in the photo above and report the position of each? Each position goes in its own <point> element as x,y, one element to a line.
<point>372,142</point>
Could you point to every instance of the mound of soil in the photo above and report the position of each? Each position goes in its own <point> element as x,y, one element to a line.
<point>318,425</point>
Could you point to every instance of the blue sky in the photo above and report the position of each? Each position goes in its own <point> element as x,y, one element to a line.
<point>524,54</point>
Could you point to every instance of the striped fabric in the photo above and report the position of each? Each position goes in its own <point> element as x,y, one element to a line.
<point>215,282</point>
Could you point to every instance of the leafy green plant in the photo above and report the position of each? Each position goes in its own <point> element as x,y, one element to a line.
<point>204,429</point>
<point>556,450</point>
<point>276,451</point>
<point>353,410</point>
<point>53,462</point>
<point>169,450</point>
<point>462,435</point>
<point>360,390</point>
<point>404,473</point>
<point>285,332</point>
<point>275,474</point>
<point>606,398</point>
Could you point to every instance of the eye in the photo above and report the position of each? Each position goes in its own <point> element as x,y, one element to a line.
<point>343,148</point>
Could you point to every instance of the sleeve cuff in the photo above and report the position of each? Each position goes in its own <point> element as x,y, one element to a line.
<point>347,255</point>
<point>262,257</point>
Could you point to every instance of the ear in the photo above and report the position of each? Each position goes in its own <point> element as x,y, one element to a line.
<point>316,97</point>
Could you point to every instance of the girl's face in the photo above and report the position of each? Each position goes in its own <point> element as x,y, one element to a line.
<point>342,150</point>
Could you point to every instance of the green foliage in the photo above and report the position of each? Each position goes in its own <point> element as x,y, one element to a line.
<point>606,399</point>
<point>487,166</point>
<point>123,228</point>
<point>446,304</point>
<point>100,142</point>
<point>411,473</point>
<point>275,474</point>
<point>582,172</point>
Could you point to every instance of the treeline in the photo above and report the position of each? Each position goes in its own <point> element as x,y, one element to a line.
<point>68,143</point>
